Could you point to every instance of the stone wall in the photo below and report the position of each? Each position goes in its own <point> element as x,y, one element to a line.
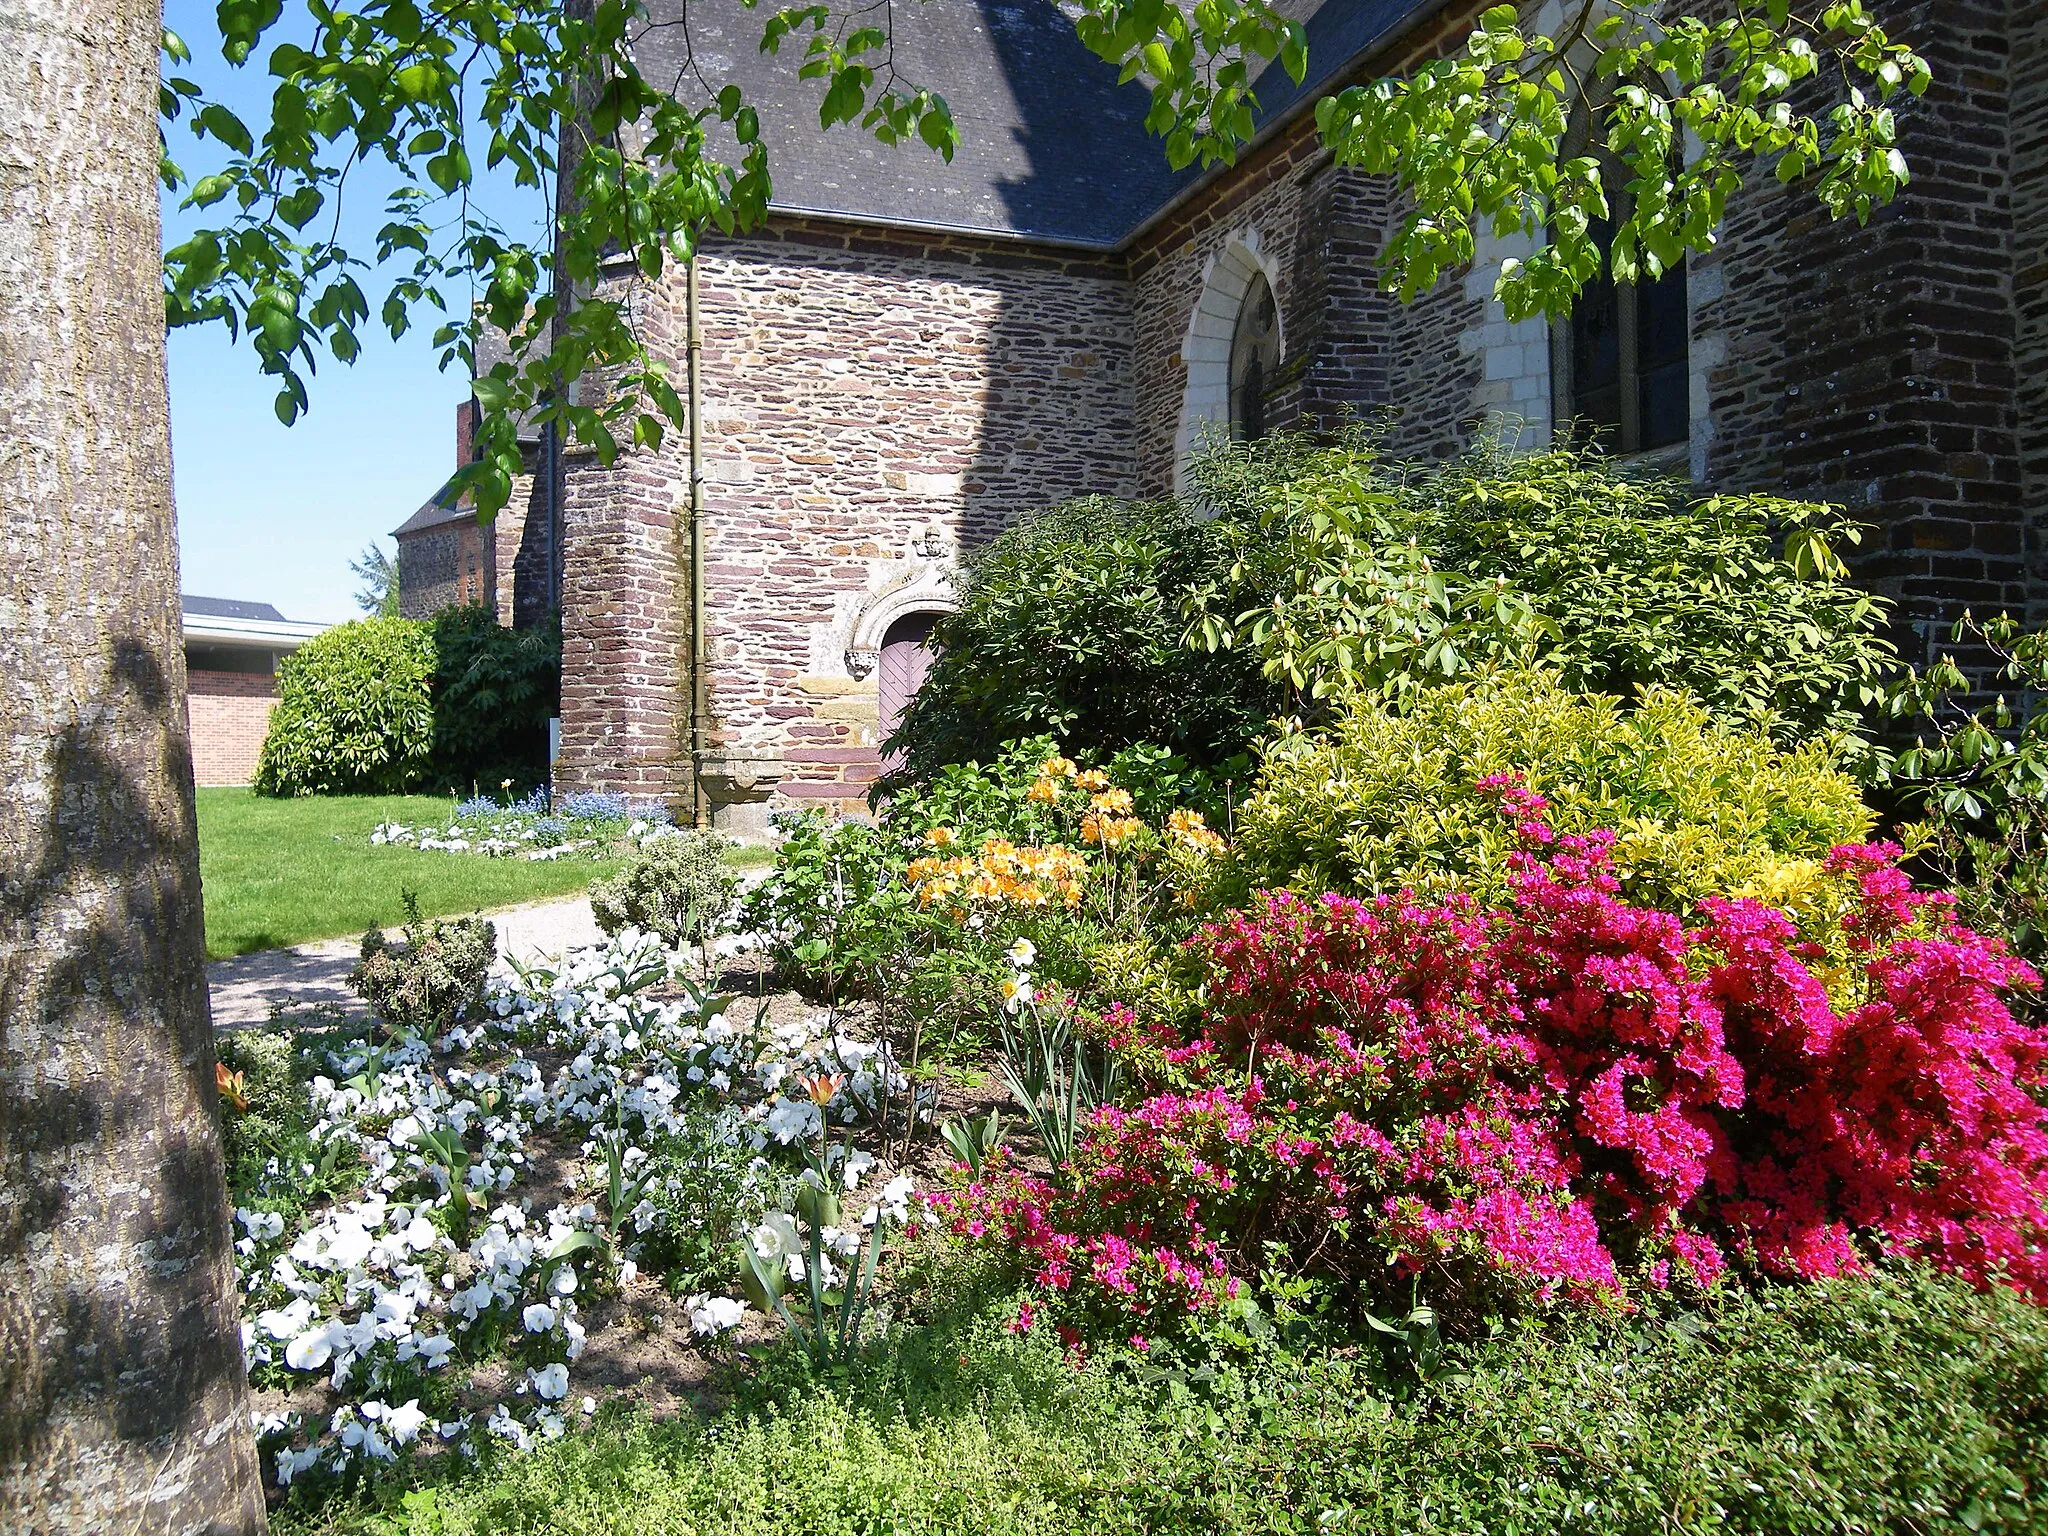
<point>228,713</point>
<point>1875,367</point>
<point>2029,147</point>
<point>449,563</point>
<point>873,403</point>
<point>522,547</point>
<point>1437,367</point>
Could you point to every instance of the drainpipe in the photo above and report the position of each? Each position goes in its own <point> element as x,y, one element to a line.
<point>698,695</point>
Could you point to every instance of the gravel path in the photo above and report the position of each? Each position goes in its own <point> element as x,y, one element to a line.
<point>247,988</point>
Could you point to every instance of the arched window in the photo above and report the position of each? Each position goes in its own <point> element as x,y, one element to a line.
<point>1254,354</point>
<point>1620,364</point>
<point>1235,341</point>
<point>906,658</point>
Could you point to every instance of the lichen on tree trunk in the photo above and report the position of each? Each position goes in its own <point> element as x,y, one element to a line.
<point>123,1401</point>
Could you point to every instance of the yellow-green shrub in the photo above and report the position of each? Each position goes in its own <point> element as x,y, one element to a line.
<point>1382,799</point>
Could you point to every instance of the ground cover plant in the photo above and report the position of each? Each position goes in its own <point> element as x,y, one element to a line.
<point>428,1215</point>
<point>279,872</point>
<point>1895,1403</point>
<point>537,826</point>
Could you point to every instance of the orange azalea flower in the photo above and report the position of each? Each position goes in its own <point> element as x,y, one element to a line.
<point>1190,830</point>
<point>1043,791</point>
<point>1109,831</point>
<point>1093,780</point>
<point>942,837</point>
<point>1116,800</point>
<point>1057,768</point>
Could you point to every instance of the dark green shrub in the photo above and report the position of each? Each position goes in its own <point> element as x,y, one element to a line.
<point>1355,573</point>
<point>434,979</point>
<point>678,886</point>
<point>354,713</point>
<point>1070,625</point>
<point>494,691</point>
<point>385,705</point>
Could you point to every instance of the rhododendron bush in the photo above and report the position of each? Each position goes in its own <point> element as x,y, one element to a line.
<point>1562,1097</point>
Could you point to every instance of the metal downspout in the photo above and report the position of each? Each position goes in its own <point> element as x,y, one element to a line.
<point>693,343</point>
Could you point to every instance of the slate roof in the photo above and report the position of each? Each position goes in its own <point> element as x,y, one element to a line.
<point>1052,149</point>
<point>228,608</point>
<point>444,506</point>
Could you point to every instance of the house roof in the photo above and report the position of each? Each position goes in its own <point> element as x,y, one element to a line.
<point>227,608</point>
<point>1052,148</point>
<point>444,506</point>
<point>230,623</point>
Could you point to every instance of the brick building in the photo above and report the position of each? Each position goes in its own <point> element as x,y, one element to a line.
<point>911,353</point>
<point>231,655</point>
<point>446,557</point>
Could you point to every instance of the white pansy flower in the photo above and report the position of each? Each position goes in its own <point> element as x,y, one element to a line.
<point>288,1321</point>
<point>405,1422</point>
<point>857,1164</point>
<point>538,1318</point>
<point>311,1349</point>
<point>551,1381</point>
<point>713,1315</point>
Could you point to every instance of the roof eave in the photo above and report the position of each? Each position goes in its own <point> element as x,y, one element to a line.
<point>1268,131</point>
<point>285,634</point>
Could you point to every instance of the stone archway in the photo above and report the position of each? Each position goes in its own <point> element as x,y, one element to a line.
<point>929,591</point>
<point>1229,277</point>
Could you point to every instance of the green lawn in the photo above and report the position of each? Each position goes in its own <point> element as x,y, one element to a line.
<point>284,871</point>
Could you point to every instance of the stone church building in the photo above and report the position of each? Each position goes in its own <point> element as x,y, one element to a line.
<point>910,354</point>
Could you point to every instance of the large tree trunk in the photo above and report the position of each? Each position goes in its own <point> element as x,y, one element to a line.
<point>123,1403</point>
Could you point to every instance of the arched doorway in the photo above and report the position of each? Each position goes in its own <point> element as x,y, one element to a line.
<point>906,658</point>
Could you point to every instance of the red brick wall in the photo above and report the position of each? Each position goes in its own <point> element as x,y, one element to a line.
<point>228,713</point>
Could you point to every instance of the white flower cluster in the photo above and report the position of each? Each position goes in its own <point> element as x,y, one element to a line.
<point>412,1275</point>
<point>497,842</point>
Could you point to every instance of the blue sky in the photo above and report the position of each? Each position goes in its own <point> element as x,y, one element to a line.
<point>270,513</point>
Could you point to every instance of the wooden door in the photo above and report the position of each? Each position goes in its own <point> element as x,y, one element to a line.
<point>906,658</point>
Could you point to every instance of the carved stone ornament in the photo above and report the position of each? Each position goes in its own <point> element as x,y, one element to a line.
<point>929,590</point>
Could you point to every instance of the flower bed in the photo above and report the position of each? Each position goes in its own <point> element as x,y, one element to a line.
<point>534,828</point>
<point>1560,1098</point>
<point>415,1266</point>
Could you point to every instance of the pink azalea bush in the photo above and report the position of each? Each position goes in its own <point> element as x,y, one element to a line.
<point>1563,1097</point>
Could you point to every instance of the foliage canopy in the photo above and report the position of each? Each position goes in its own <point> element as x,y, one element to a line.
<point>444,91</point>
